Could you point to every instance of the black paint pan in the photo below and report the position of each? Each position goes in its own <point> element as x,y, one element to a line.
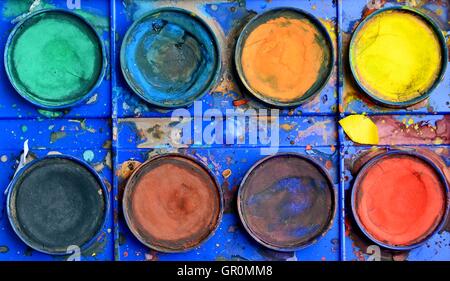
<point>57,202</point>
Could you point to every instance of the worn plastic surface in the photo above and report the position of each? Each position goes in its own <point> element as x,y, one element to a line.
<point>115,130</point>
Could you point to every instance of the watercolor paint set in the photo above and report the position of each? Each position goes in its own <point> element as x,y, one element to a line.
<point>136,130</point>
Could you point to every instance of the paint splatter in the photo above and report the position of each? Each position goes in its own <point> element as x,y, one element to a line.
<point>4,249</point>
<point>88,155</point>
<point>226,173</point>
<point>50,113</point>
<point>18,9</point>
<point>127,168</point>
<point>55,136</point>
<point>393,131</point>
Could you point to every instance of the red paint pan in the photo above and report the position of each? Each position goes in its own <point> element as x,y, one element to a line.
<point>399,199</point>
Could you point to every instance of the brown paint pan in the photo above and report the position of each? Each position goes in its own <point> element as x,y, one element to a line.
<point>172,203</point>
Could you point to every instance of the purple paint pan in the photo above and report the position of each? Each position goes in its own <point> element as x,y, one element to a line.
<point>287,202</point>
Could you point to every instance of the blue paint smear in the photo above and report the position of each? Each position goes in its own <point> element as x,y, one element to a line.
<point>169,58</point>
<point>228,15</point>
<point>300,197</point>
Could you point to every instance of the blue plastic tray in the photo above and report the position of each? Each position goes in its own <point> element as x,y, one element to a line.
<point>116,128</point>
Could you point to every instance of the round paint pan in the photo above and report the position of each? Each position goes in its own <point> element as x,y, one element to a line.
<point>286,202</point>
<point>172,203</point>
<point>170,57</point>
<point>284,56</point>
<point>399,199</point>
<point>54,59</point>
<point>398,56</point>
<point>57,202</point>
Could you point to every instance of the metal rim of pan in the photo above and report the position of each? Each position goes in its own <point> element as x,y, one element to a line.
<point>368,165</point>
<point>21,24</point>
<point>127,193</point>
<point>12,186</point>
<point>247,30</point>
<point>203,24</point>
<point>444,51</point>
<point>314,239</point>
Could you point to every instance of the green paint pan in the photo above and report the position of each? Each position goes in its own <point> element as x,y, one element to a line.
<point>54,59</point>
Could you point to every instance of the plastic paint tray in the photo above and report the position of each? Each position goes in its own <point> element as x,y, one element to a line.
<point>112,133</point>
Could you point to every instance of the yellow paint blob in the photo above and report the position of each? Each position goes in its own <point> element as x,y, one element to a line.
<point>360,129</point>
<point>396,56</point>
<point>284,57</point>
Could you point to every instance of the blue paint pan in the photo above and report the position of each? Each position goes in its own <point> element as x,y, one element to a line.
<point>57,202</point>
<point>287,202</point>
<point>170,57</point>
<point>69,69</point>
<point>357,191</point>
